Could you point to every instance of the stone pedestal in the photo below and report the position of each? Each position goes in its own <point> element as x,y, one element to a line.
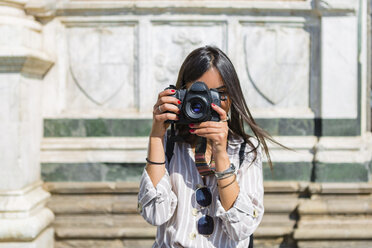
<point>24,219</point>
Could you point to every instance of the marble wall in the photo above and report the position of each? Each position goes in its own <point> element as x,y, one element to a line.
<point>78,80</point>
<point>302,67</point>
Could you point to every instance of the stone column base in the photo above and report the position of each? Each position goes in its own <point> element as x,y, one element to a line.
<point>24,219</point>
<point>44,240</point>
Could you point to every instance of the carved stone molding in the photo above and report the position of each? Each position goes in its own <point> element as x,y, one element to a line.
<point>23,213</point>
<point>21,42</point>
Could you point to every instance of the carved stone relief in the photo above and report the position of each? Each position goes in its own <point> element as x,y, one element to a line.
<point>101,67</point>
<point>172,42</point>
<point>277,61</point>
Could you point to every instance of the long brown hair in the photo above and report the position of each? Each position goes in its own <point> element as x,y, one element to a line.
<point>195,65</point>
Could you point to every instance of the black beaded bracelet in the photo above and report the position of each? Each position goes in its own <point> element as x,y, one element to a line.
<point>222,187</point>
<point>150,162</point>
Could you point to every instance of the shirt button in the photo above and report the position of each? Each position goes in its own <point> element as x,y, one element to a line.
<point>192,236</point>
<point>255,213</point>
<point>139,207</point>
<point>194,212</point>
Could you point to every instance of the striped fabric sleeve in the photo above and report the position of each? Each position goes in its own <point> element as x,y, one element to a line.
<point>243,218</point>
<point>156,204</point>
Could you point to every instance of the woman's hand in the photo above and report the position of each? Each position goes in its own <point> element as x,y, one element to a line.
<point>215,131</point>
<point>164,103</point>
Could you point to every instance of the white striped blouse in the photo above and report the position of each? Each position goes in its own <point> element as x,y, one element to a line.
<point>172,206</point>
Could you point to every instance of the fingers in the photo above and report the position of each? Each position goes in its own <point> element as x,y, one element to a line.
<point>166,93</point>
<point>165,116</point>
<point>203,131</point>
<point>167,99</point>
<point>166,103</point>
<point>207,124</point>
<point>214,136</point>
<point>166,107</point>
<point>220,111</point>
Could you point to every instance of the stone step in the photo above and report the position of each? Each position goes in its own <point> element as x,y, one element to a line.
<point>91,187</point>
<point>104,214</point>
<point>334,244</point>
<point>340,188</point>
<point>105,232</point>
<point>270,187</point>
<point>273,219</point>
<point>332,233</point>
<point>93,203</point>
<point>336,206</point>
<point>135,220</point>
<point>335,220</point>
<point>100,221</point>
<point>281,204</point>
<point>136,231</point>
<point>123,203</point>
<point>114,243</point>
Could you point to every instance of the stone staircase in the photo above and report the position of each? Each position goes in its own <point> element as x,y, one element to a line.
<point>104,214</point>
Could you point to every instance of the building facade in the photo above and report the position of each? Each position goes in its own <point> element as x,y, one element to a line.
<point>78,80</point>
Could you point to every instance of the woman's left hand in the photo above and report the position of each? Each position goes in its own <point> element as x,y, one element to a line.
<point>215,131</point>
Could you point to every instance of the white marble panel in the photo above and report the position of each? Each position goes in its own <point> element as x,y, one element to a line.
<point>20,143</point>
<point>8,97</point>
<point>339,67</point>
<point>21,35</point>
<point>275,65</point>
<point>171,42</point>
<point>101,68</point>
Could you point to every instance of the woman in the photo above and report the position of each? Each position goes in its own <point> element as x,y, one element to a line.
<point>195,210</point>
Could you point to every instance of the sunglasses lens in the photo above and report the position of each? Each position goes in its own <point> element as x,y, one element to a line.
<point>203,196</point>
<point>205,225</point>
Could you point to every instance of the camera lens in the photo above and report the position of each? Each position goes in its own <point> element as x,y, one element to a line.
<point>196,107</point>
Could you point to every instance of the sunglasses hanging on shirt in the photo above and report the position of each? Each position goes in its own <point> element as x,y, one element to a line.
<point>205,224</point>
<point>203,194</point>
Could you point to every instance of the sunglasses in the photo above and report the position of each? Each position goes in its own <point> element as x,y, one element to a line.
<point>204,199</point>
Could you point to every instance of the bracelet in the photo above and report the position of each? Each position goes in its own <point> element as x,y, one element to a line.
<point>228,184</point>
<point>150,162</point>
<point>226,176</point>
<point>228,171</point>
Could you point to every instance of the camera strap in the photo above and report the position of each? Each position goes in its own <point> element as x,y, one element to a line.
<point>203,167</point>
<point>171,139</point>
<point>200,150</point>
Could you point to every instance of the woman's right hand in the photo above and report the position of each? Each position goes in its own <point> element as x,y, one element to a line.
<point>164,103</point>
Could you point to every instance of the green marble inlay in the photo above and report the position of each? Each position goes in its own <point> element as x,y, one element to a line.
<point>290,171</point>
<point>288,127</point>
<point>340,127</point>
<point>341,172</point>
<point>96,127</point>
<point>142,127</point>
<point>88,172</point>
<point>111,172</point>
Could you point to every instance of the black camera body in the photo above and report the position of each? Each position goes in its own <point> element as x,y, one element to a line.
<point>196,103</point>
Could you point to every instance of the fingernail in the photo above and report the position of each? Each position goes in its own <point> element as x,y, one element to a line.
<point>192,130</point>
<point>213,104</point>
<point>191,125</point>
<point>173,91</point>
<point>179,102</point>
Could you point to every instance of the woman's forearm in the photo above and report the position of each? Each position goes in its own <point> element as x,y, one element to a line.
<point>228,194</point>
<point>155,153</point>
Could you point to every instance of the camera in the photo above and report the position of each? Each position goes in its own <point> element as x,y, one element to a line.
<point>196,103</point>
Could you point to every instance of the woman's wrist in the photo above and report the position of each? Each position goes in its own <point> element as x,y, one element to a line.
<point>156,135</point>
<point>157,132</point>
<point>222,160</point>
